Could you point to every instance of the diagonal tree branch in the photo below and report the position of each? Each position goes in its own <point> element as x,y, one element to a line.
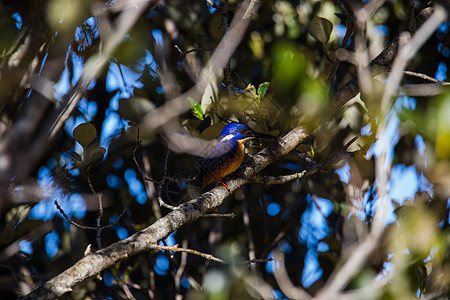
<point>145,240</point>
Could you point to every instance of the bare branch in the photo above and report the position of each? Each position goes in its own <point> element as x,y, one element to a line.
<point>213,4</point>
<point>100,212</point>
<point>313,168</point>
<point>87,227</point>
<point>144,240</point>
<point>70,220</point>
<point>145,173</point>
<point>183,53</point>
<point>117,219</point>
<point>161,184</point>
<point>426,77</point>
<point>230,215</point>
<point>180,271</point>
<point>260,260</point>
<point>175,248</point>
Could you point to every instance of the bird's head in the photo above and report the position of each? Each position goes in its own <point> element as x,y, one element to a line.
<point>240,132</point>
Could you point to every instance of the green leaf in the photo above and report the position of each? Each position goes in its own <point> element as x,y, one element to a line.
<point>262,89</point>
<point>135,109</point>
<point>320,29</point>
<point>84,134</point>
<point>196,109</point>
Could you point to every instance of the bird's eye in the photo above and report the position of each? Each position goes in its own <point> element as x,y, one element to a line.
<point>244,131</point>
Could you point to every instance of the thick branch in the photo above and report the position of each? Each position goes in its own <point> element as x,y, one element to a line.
<point>145,240</point>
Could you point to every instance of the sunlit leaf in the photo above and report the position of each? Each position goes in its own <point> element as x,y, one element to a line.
<point>84,134</point>
<point>320,29</point>
<point>196,109</point>
<point>262,89</point>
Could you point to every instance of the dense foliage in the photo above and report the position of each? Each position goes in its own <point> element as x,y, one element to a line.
<point>108,108</point>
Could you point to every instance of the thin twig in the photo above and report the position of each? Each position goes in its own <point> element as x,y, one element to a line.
<point>260,260</point>
<point>213,4</point>
<point>313,168</point>
<point>180,271</point>
<point>175,248</point>
<point>343,46</point>
<point>115,221</point>
<point>155,207</point>
<point>138,144</point>
<point>100,212</point>
<point>350,24</point>
<point>83,226</point>
<point>164,178</point>
<point>183,53</point>
<point>230,215</point>
<point>70,220</point>
<point>426,77</point>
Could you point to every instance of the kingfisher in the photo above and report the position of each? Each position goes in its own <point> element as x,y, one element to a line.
<point>228,154</point>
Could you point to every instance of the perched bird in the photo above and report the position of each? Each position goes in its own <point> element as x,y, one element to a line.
<point>228,154</point>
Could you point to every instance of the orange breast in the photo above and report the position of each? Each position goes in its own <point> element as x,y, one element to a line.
<point>227,168</point>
